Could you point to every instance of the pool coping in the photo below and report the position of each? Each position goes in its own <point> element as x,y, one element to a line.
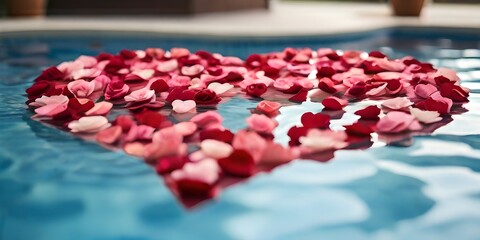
<point>284,19</point>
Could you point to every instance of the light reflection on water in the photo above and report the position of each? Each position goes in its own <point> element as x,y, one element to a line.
<point>54,186</point>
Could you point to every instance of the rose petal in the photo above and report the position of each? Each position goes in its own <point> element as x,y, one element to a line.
<point>268,107</point>
<point>334,103</point>
<point>321,140</point>
<point>139,133</point>
<point>185,128</point>
<point>426,116</point>
<point>180,106</point>
<point>221,89</point>
<point>81,88</point>
<point>250,142</point>
<point>168,66</point>
<point>261,123</point>
<point>207,118</point>
<point>394,122</point>
<point>206,171</point>
<point>299,97</point>
<point>100,108</point>
<point>223,135</point>
<point>216,149</point>
<point>192,70</point>
<point>318,120</point>
<point>239,163</point>
<point>397,103</point>
<point>135,149</point>
<point>170,163</point>
<point>109,135</point>
<point>278,154</point>
<point>358,129</point>
<point>89,124</point>
<point>369,113</point>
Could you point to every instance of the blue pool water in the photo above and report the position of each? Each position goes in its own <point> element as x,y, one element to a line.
<point>55,186</point>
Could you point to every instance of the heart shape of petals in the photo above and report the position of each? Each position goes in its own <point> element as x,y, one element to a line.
<point>145,103</point>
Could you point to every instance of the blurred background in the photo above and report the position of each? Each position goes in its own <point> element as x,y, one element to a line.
<point>156,7</point>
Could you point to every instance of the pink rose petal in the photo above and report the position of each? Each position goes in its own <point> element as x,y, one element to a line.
<point>278,154</point>
<point>204,171</point>
<point>192,70</point>
<point>185,128</point>
<point>180,106</point>
<point>268,107</point>
<point>168,66</point>
<point>109,135</point>
<point>81,88</point>
<point>394,122</point>
<point>141,95</point>
<point>100,108</point>
<point>89,124</point>
<point>448,73</point>
<point>425,90</point>
<point>318,140</point>
<point>250,142</point>
<point>222,89</point>
<point>397,103</point>
<point>135,149</point>
<point>203,120</point>
<point>261,123</point>
<point>139,133</point>
<point>216,149</point>
<point>165,142</point>
<point>179,52</point>
<point>426,116</point>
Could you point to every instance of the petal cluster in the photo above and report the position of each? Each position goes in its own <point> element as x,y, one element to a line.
<point>160,105</point>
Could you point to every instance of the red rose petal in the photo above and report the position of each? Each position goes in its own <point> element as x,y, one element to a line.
<point>325,72</point>
<point>152,119</point>
<point>240,163</point>
<point>206,97</point>
<point>125,122</point>
<point>169,164</point>
<point>78,108</point>
<point>159,86</point>
<point>299,97</point>
<point>376,54</point>
<point>369,113</point>
<point>454,92</point>
<point>334,103</point>
<point>294,89</point>
<point>217,134</point>
<point>431,105</point>
<point>194,188</point>
<point>295,133</point>
<point>357,90</point>
<point>128,54</point>
<point>327,85</point>
<point>255,61</point>
<point>318,120</point>
<point>358,129</point>
<point>181,94</point>
<point>50,74</point>
<point>256,89</point>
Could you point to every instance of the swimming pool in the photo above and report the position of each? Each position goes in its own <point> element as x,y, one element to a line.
<point>51,190</point>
